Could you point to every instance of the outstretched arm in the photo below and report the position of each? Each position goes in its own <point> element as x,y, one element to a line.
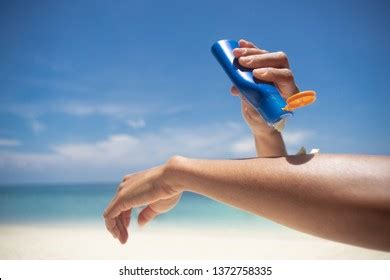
<point>339,197</point>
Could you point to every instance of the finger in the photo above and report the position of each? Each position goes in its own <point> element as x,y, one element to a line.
<point>114,200</point>
<point>246,106</point>
<point>246,44</point>
<point>123,231</point>
<point>239,52</point>
<point>282,78</point>
<point>126,216</point>
<point>116,206</point>
<point>113,221</point>
<point>275,60</point>
<point>117,222</point>
<point>235,91</point>
<point>112,227</point>
<point>156,208</point>
<point>123,222</point>
<point>146,215</point>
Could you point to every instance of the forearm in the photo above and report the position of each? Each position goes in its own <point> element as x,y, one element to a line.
<point>269,144</point>
<point>339,197</point>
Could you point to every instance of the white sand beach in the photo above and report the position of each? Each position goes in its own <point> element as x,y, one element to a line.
<point>93,242</point>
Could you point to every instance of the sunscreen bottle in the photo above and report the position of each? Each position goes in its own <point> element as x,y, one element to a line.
<point>263,96</point>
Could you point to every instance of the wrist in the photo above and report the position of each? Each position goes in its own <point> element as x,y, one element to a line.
<point>173,173</point>
<point>266,132</point>
<point>261,128</point>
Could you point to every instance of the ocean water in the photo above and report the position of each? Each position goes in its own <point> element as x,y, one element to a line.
<point>85,203</point>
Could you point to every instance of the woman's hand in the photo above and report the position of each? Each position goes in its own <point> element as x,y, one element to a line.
<point>268,67</point>
<point>150,188</point>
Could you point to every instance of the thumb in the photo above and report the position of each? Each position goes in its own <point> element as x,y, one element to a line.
<point>146,215</point>
<point>235,91</point>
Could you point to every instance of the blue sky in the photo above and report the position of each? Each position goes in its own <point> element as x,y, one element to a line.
<point>92,90</point>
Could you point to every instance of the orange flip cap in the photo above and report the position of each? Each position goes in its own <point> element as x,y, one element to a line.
<point>300,99</point>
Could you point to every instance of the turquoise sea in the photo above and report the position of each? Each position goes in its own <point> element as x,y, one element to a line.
<point>85,203</point>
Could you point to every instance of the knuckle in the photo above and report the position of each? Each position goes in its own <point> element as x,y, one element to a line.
<point>175,161</point>
<point>288,74</point>
<point>281,56</point>
<point>126,177</point>
<point>122,205</point>
<point>120,197</point>
<point>121,186</point>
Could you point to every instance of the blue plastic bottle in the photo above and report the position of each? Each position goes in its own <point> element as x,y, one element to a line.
<point>264,97</point>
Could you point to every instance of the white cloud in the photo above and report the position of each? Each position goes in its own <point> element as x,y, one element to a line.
<point>82,109</point>
<point>293,139</point>
<point>112,110</point>
<point>176,109</point>
<point>244,146</point>
<point>118,154</point>
<point>117,149</point>
<point>58,85</point>
<point>9,142</point>
<point>296,138</point>
<point>137,123</point>
<point>37,126</point>
<point>19,162</point>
